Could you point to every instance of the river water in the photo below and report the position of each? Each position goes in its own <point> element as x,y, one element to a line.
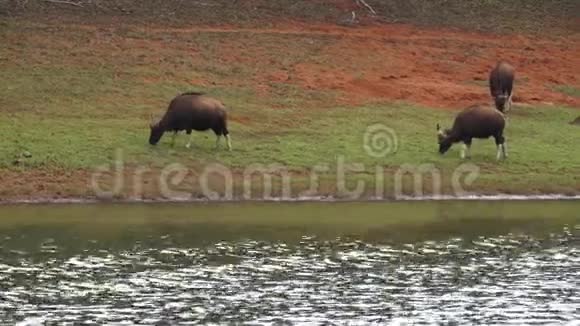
<point>283,264</point>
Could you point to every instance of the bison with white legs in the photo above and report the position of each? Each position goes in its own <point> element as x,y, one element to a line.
<point>478,121</point>
<point>501,83</point>
<point>192,111</point>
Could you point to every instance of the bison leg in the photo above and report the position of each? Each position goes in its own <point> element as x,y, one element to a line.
<point>173,138</point>
<point>224,131</point>
<point>229,142</point>
<point>188,145</point>
<point>468,146</point>
<point>501,151</point>
<point>217,141</point>
<point>226,134</point>
<point>466,150</point>
<point>504,149</point>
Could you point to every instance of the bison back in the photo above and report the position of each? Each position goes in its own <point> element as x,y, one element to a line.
<point>480,121</point>
<point>193,112</point>
<point>501,79</point>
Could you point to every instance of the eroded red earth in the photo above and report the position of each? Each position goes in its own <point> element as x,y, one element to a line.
<point>440,68</point>
<point>436,68</point>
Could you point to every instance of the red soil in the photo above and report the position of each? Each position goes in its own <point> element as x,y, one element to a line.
<point>437,67</point>
<point>434,67</point>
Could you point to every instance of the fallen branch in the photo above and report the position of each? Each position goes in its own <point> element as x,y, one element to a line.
<point>363,3</point>
<point>78,4</point>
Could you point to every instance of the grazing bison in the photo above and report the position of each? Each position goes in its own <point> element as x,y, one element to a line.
<point>501,82</point>
<point>477,121</point>
<point>192,111</point>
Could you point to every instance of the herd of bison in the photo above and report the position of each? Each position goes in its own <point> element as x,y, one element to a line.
<point>196,111</point>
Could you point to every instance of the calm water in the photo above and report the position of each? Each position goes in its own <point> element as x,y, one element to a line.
<point>419,263</point>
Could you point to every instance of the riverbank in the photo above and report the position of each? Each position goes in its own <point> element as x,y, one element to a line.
<point>475,198</point>
<point>332,107</point>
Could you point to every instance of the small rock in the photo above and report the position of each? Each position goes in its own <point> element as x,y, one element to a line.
<point>26,154</point>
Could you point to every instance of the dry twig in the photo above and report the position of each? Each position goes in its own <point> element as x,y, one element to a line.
<point>364,3</point>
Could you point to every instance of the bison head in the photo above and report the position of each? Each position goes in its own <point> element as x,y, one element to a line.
<point>443,139</point>
<point>156,133</point>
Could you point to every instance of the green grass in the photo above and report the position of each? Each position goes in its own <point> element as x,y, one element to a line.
<point>568,90</point>
<point>542,144</point>
<point>540,139</point>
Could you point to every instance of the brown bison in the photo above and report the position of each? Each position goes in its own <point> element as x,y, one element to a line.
<point>477,121</point>
<point>501,83</point>
<point>192,111</point>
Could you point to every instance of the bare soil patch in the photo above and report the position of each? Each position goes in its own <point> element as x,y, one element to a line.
<point>440,68</point>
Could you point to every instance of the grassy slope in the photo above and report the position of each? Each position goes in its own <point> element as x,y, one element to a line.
<point>71,106</point>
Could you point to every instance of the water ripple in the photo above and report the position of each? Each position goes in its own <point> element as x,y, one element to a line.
<point>511,279</point>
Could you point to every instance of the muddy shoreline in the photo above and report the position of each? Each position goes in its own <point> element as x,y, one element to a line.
<point>325,199</point>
